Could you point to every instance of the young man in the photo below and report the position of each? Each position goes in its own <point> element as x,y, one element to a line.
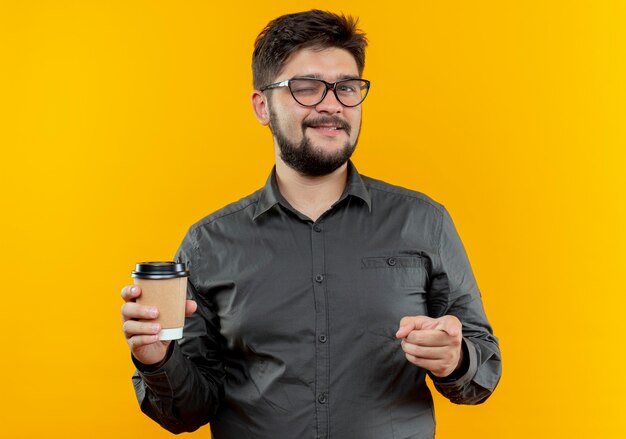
<point>319,303</point>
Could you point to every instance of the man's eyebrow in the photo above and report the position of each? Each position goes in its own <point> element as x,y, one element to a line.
<point>318,76</point>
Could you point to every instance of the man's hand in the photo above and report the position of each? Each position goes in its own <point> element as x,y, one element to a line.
<point>143,336</point>
<point>433,344</point>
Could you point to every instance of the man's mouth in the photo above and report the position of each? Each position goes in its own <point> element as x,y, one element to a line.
<point>329,128</point>
<point>326,127</point>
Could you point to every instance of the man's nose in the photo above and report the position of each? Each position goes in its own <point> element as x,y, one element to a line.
<point>329,104</point>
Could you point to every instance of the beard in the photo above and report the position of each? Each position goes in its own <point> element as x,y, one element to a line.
<point>304,157</point>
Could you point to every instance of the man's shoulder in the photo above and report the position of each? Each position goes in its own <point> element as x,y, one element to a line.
<point>234,211</point>
<point>379,188</point>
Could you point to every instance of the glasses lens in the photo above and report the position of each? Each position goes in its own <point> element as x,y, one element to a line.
<point>307,91</point>
<point>351,92</point>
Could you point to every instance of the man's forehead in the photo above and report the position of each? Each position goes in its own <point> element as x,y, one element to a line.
<point>330,64</point>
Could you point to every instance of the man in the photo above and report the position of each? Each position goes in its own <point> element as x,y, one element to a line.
<point>319,303</point>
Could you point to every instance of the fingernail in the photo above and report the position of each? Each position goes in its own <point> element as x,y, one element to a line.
<point>152,312</point>
<point>155,328</point>
<point>133,289</point>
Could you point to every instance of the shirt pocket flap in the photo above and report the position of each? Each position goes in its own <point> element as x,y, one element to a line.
<point>392,262</point>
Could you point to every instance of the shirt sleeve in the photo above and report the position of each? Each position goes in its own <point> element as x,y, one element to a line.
<point>185,391</point>
<point>453,291</point>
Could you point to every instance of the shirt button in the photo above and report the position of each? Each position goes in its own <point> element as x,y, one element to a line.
<point>392,261</point>
<point>322,398</point>
<point>322,338</point>
<point>319,278</point>
<point>317,228</point>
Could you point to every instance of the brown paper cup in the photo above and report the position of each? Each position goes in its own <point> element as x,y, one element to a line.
<point>164,286</point>
<point>168,296</point>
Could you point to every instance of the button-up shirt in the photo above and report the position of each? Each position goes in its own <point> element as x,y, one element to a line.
<point>294,336</point>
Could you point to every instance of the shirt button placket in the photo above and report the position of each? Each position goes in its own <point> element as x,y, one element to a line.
<point>322,354</point>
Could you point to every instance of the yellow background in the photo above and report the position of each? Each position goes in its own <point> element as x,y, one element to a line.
<point>123,122</point>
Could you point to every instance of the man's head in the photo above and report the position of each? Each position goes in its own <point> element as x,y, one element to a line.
<point>312,138</point>
<point>285,35</point>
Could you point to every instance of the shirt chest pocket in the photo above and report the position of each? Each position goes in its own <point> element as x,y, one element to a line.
<point>400,271</point>
<point>391,287</point>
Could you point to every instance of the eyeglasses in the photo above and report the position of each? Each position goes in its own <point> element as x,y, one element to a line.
<point>310,92</point>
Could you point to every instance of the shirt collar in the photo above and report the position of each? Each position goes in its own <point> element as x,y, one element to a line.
<point>271,196</point>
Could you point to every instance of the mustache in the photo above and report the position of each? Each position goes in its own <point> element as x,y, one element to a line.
<point>321,120</point>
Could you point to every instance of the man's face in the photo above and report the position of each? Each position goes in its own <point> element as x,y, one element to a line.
<point>315,140</point>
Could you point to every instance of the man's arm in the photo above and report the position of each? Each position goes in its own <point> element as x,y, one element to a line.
<point>183,391</point>
<point>455,343</point>
<point>180,384</point>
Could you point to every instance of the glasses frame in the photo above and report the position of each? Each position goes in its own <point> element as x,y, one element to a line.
<point>328,86</point>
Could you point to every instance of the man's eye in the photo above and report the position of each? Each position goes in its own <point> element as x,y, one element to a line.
<point>304,90</point>
<point>346,88</point>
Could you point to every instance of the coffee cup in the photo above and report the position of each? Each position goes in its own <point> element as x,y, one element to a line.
<point>164,286</point>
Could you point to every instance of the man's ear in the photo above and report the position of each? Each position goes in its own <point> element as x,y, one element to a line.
<point>260,107</point>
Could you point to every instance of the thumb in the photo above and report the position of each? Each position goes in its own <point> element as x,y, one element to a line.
<point>190,307</point>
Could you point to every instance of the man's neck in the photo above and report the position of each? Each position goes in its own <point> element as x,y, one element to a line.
<point>311,196</point>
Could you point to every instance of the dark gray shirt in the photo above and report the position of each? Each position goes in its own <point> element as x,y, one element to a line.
<point>294,336</point>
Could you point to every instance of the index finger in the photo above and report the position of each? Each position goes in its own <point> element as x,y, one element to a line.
<point>429,337</point>
<point>411,323</point>
<point>130,293</point>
